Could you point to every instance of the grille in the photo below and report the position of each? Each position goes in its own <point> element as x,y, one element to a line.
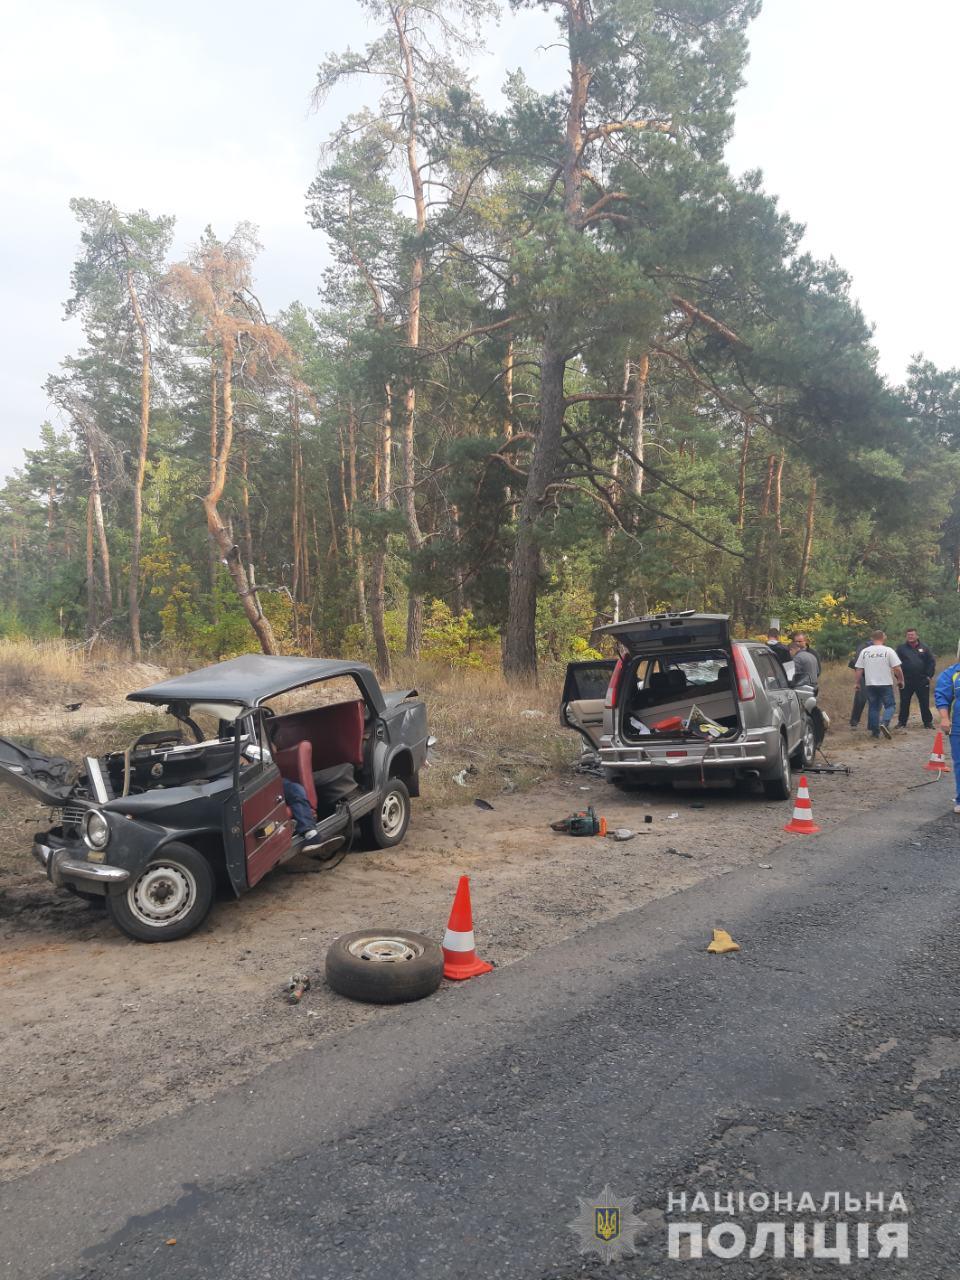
<point>73,814</point>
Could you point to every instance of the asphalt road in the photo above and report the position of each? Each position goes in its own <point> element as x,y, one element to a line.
<point>452,1138</point>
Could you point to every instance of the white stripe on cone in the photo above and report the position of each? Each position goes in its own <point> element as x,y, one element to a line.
<point>456,941</point>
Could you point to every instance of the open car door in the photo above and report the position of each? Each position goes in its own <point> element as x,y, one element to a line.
<point>584,691</point>
<point>258,828</point>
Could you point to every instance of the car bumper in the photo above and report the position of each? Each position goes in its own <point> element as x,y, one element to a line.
<point>752,753</point>
<point>64,870</point>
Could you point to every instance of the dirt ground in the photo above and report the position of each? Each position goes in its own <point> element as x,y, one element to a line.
<point>103,1034</point>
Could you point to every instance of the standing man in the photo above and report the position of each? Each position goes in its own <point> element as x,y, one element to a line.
<point>945,696</point>
<point>799,638</point>
<point>806,667</point>
<point>879,669</point>
<point>919,665</point>
<point>780,650</point>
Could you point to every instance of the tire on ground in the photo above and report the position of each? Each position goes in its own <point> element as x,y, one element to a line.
<point>189,869</point>
<point>384,981</point>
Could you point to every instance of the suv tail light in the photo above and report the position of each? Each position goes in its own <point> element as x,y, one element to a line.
<point>745,689</point>
<point>613,688</point>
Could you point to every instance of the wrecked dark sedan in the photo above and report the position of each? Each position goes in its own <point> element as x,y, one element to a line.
<point>150,828</point>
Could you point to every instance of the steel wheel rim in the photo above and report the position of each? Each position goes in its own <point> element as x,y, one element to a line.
<point>392,814</point>
<point>379,949</point>
<point>162,895</point>
<point>785,760</point>
<point>809,744</point>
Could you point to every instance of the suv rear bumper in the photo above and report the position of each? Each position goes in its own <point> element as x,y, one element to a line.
<point>757,753</point>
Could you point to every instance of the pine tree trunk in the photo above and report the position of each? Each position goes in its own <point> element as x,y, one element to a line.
<point>137,538</point>
<point>378,562</point>
<point>520,640</point>
<point>742,478</point>
<point>414,292</point>
<point>638,408</point>
<point>807,539</point>
<point>219,532</point>
<point>93,618</point>
<point>214,559</point>
<point>100,526</point>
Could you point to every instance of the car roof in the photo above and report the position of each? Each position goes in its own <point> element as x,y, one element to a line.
<point>248,680</point>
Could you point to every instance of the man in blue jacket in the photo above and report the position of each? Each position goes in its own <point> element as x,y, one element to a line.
<point>945,699</point>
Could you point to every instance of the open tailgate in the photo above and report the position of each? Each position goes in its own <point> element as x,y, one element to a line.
<point>661,631</point>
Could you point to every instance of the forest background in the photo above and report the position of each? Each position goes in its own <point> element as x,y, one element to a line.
<point>564,367</point>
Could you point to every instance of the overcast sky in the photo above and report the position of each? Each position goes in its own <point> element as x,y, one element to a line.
<point>202,110</point>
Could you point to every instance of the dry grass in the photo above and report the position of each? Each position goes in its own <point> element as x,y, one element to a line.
<point>480,726</point>
<point>54,671</point>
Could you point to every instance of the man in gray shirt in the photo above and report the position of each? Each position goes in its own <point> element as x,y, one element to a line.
<point>806,667</point>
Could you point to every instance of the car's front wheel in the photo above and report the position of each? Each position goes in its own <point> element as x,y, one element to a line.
<point>168,899</point>
<point>806,752</point>
<point>778,785</point>
<point>387,824</point>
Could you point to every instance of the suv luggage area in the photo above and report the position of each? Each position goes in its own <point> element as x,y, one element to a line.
<point>676,694</point>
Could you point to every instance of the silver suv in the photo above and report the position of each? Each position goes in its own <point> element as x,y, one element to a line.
<point>687,704</point>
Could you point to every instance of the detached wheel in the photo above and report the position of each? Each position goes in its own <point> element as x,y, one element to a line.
<point>805,754</point>
<point>387,824</point>
<point>384,966</point>
<point>168,899</point>
<point>778,785</point>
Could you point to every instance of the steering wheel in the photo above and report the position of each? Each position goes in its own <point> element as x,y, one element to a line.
<point>159,738</point>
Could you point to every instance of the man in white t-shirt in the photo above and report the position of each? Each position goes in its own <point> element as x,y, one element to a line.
<point>878,670</point>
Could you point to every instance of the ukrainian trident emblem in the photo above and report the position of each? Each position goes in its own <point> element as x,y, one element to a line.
<point>606,1222</point>
<point>606,1225</point>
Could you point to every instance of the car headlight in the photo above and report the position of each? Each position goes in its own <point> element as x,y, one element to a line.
<point>96,829</point>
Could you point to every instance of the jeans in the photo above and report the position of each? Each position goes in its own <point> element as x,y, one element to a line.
<point>922,689</point>
<point>299,806</point>
<point>955,753</point>
<point>879,695</point>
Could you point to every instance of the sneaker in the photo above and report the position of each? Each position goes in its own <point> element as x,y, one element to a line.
<point>885,730</point>
<point>306,836</point>
<point>901,728</point>
<point>956,808</point>
<point>874,734</point>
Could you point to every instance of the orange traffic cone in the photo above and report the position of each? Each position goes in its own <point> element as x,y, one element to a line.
<point>936,763</point>
<point>802,822</point>
<point>459,947</point>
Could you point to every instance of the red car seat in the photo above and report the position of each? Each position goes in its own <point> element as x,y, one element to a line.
<point>296,765</point>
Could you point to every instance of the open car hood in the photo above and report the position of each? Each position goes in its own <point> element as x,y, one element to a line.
<point>660,631</point>
<point>48,779</point>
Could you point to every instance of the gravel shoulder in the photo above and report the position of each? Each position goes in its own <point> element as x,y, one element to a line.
<point>103,1034</point>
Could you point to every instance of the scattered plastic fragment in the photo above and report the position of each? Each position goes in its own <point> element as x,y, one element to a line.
<point>621,833</point>
<point>681,853</point>
<point>765,866</point>
<point>460,778</point>
<point>722,943</point>
<point>298,984</point>
<point>673,815</point>
<point>482,804</point>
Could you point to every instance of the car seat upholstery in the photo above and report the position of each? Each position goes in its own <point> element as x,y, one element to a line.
<point>334,733</point>
<point>296,765</point>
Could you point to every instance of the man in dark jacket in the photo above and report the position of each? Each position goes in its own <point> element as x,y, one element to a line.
<point>919,664</point>
<point>859,696</point>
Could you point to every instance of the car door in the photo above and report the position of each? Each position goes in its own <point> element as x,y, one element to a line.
<point>259,829</point>
<point>582,700</point>
<point>779,694</point>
